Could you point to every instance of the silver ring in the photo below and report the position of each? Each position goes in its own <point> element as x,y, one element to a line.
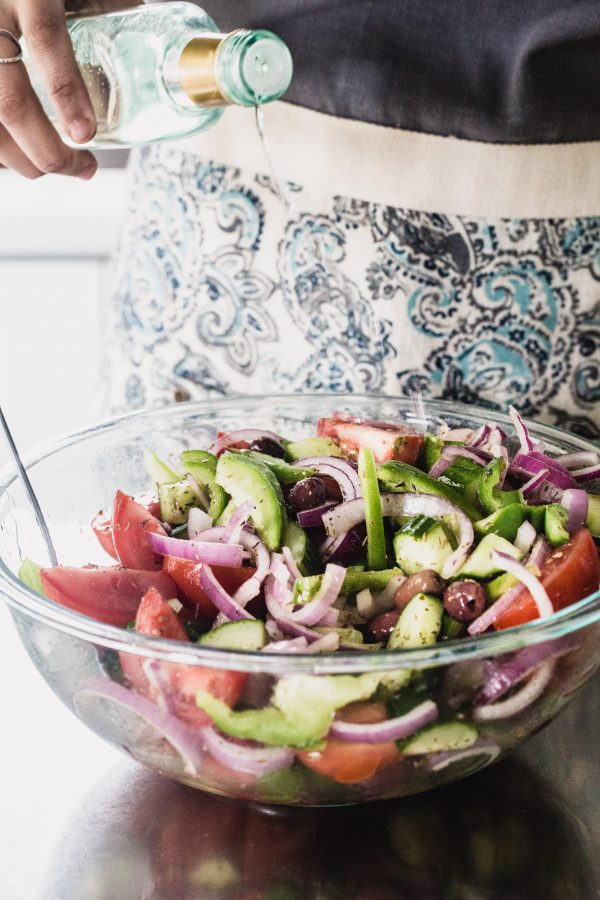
<point>15,40</point>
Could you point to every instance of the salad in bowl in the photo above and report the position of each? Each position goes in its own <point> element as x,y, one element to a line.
<point>291,604</point>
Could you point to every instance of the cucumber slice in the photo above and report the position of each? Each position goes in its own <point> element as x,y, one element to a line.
<point>479,564</point>
<point>247,634</point>
<point>429,550</point>
<point>29,573</point>
<point>440,738</point>
<point>176,500</point>
<point>315,446</point>
<point>500,585</point>
<point>202,466</point>
<point>158,470</point>
<point>419,624</point>
<point>198,457</point>
<point>593,516</point>
<point>367,474</point>
<point>302,550</point>
<point>247,479</point>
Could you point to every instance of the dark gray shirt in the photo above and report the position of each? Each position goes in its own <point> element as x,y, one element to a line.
<point>519,71</point>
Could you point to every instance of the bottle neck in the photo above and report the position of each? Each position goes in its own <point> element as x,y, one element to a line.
<point>198,67</point>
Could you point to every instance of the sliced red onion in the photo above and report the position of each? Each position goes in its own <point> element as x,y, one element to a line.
<point>366,605</point>
<point>440,466</point>
<point>344,517</point>
<point>578,459</point>
<point>326,643</point>
<point>521,429</point>
<point>199,551</point>
<point>199,492</point>
<point>281,615</point>
<point>539,552</point>
<point>161,689</point>
<point>526,535</point>
<point>576,503</point>
<point>198,521</point>
<point>341,470</point>
<point>533,584</point>
<point>181,738</point>
<point>390,730</point>
<point>503,674</point>
<point>240,516</point>
<point>441,761</point>
<point>546,493</point>
<point>506,709</point>
<point>251,760</point>
<point>590,473</point>
<point>291,645</point>
<point>385,598</point>
<point>527,464</point>
<point>461,435</point>
<point>279,569</point>
<point>345,547</point>
<point>251,588</point>
<point>311,518</point>
<point>243,436</point>
<point>479,437</point>
<point>219,597</point>
<point>331,617</point>
<point>291,563</point>
<point>534,482</point>
<point>312,613</point>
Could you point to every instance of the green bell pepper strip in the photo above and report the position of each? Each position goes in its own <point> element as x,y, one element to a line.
<point>399,477</point>
<point>283,471</point>
<point>506,521</point>
<point>354,581</point>
<point>555,525</point>
<point>490,496</point>
<point>202,466</point>
<point>300,713</point>
<point>367,476</point>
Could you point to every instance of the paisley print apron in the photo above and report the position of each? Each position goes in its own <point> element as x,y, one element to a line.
<point>221,288</point>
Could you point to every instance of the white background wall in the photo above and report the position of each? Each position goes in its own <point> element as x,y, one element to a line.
<point>56,236</point>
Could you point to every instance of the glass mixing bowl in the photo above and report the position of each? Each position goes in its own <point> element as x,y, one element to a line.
<point>77,476</point>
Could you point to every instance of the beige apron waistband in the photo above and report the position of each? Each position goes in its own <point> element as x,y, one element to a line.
<point>408,169</point>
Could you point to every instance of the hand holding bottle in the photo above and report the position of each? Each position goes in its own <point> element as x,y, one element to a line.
<point>28,142</point>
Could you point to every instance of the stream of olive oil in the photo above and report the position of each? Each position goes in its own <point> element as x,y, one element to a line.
<point>283,194</point>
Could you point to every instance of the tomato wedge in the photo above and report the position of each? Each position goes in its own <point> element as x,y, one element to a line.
<point>132,523</point>
<point>387,441</point>
<point>109,594</point>
<point>186,575</point>
<point>347,762</point>
<point>102,523</point>
<point>570,573</point>
<point>155,618</point>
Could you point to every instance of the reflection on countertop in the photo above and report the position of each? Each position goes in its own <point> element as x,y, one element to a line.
<point>527,828</point>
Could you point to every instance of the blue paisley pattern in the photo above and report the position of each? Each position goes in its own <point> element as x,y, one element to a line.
<point>219,289</point>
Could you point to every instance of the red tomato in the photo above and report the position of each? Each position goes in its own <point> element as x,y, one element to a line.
<point>103,526</point>
<point>571,573</point>
<point>387,441</point>
<point>132,523</point>
<point>155,618</point>
<point>185,574</point>
<point>109,594</point>
<point>347,762</point>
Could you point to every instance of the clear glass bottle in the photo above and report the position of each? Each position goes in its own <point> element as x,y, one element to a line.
<point>163,71</point>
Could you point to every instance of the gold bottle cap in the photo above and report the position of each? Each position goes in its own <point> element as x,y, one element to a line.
<point>197,70</point>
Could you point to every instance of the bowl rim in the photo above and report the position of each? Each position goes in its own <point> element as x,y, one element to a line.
<point>22,599</point>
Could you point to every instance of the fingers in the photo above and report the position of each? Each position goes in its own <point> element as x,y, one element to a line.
<point>44,28</point>
<point>22,116</point>
<point>12,157</point>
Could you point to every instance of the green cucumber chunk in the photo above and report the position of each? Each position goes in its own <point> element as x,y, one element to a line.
<point>176,500</point>
<point>400,477</point>
<point>463,475</point>
<point>506,521</point>
<point>500,585</point>
<point>441,738</point>
<point>419,624</point>
<point>593,516</point>
<point>29,573</point>
<point>246,634</point>
<point>480,564</point>
<point>555,525</point>
<point>367,475</point>
<point>313,446</point>
<point>428,548</point>
<point>305,555</point>
<point>247,479</point>
<point>431,451</point>
<point>202,466</point>
<point>158,470</point>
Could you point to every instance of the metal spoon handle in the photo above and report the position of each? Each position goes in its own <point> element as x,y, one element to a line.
<point>29,490</point>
